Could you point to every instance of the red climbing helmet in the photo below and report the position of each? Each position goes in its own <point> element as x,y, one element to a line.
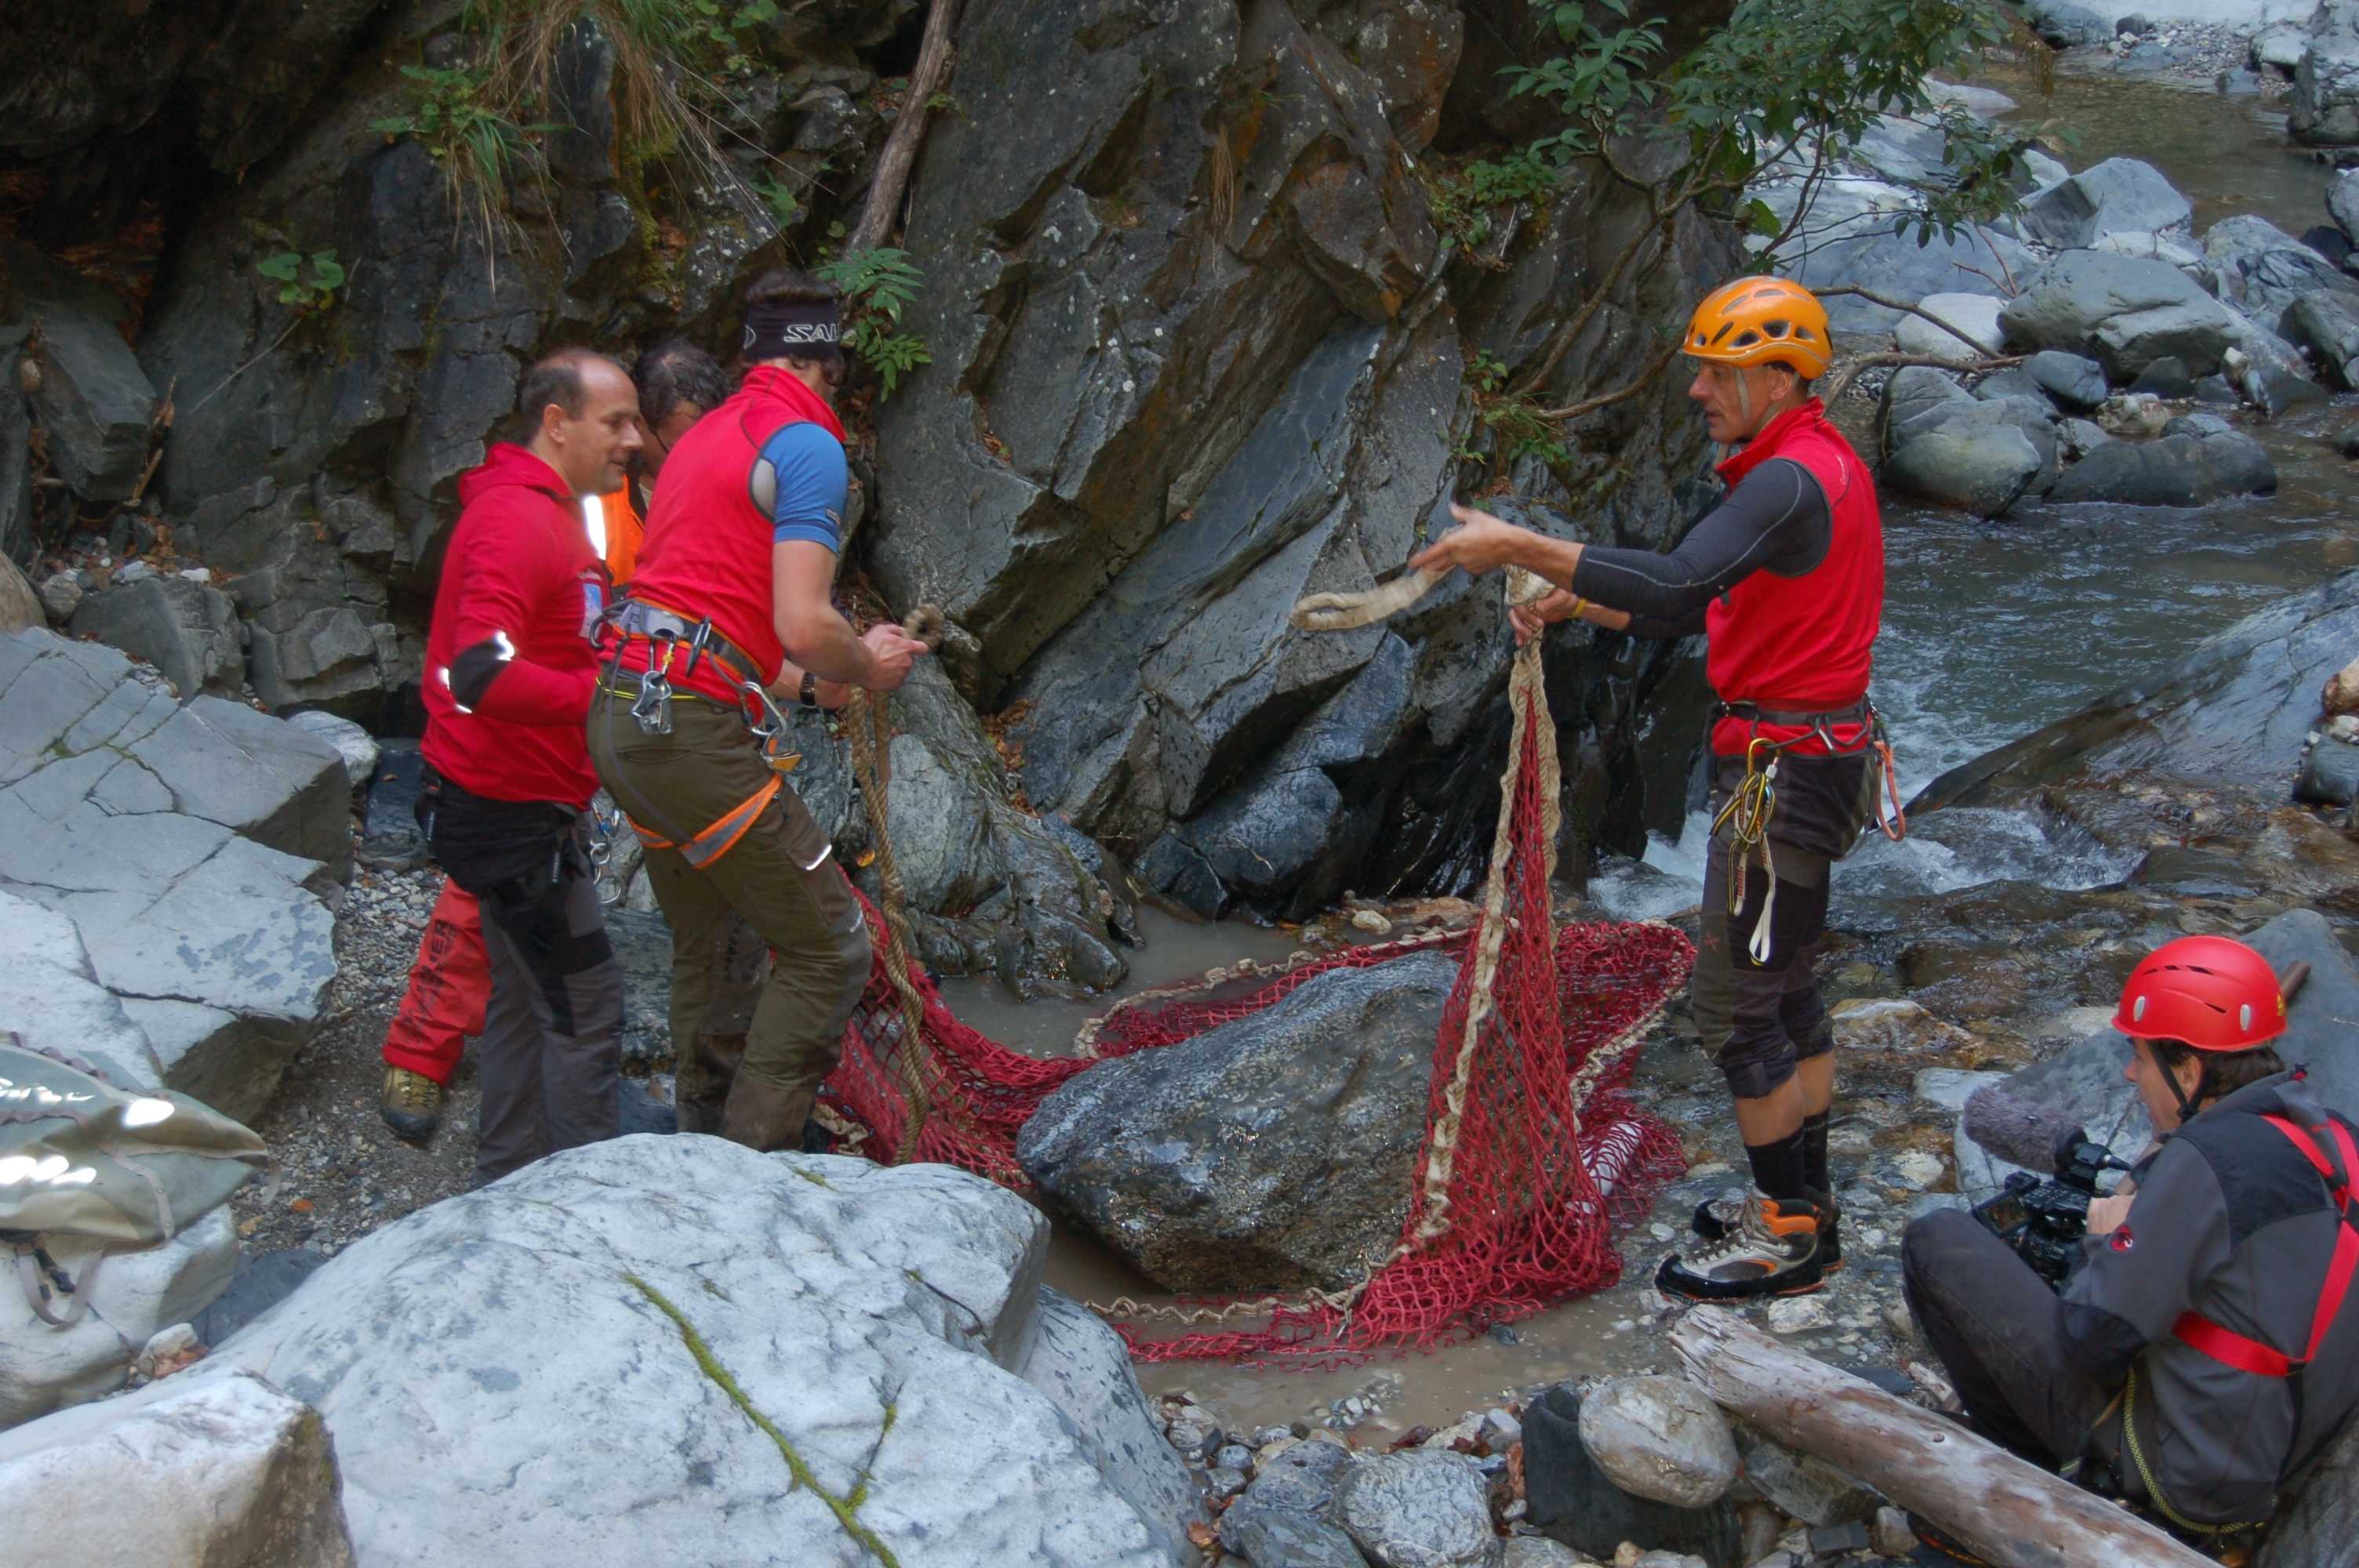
<point>2212,992</point>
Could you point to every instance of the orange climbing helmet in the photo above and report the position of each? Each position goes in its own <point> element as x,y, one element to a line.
<point>1763,321</point>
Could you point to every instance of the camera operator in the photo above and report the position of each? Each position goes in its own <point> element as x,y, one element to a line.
<point>2198,1356</point>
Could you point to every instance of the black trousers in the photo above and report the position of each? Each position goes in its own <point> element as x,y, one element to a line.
<point>1997,1330</point>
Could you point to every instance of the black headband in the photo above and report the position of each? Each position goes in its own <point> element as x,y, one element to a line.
<point>800,330</point>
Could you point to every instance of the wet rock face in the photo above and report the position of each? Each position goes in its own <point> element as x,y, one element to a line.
<point>1175,1157</point>
<point>1197,353</point>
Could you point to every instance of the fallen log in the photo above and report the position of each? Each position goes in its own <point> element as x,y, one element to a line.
<point>2011,1512</point>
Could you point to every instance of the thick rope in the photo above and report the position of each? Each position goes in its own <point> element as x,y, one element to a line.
<point>1345,611</point>
<point>871,728</point>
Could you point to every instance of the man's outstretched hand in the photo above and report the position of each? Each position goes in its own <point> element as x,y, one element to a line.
<point>1481,543</point>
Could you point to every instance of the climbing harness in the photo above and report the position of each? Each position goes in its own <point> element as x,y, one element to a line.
<point>1753,802</point>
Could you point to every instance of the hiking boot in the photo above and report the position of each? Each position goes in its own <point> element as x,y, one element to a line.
<point>411,1104</point>
<point>764,1118</point>
<point>1773,1251</point>
<point>1715,1218</point>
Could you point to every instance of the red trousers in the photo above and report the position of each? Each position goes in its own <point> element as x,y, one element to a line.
<point>450,986</point>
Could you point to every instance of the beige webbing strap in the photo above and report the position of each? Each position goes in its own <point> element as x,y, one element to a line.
<point>867,718</point>
<point>1527,697</point>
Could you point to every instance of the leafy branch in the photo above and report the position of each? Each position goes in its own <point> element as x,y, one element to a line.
<point>876,284</point>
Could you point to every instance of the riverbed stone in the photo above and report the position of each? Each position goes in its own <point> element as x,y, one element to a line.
<point>1266,1538</point>
<point>96,403</point>
<point>2198,458</point>
<point>2064,24</point>
<point>1802,1485</point>
<point>2325,107</point>
<point>1916,390</point>
<point>1661,1438</point>
<point>2120,195</point>
<point>1166,1155</point>
<point>2263,269</point>
<point>1420,1509</point>
<point>1894,1024</point>
<point>2325,323</point>
<point>229,1473</point>
<point>2124,311</point>
<point>1975,315</point>
<point>882,1319</point>
<point>2075,383</point>
<point>187,630</point>
<point>1984,469</point>
<point>1573,1500</point>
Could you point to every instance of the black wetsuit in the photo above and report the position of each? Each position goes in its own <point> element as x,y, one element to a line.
<point>1776,520</point>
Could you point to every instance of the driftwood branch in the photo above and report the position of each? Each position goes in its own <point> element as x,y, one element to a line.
<point>900,154</point>
<point>1975,366</point>
<point>2009,1511</point>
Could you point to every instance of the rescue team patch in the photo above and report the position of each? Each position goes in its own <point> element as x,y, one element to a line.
<point>2123,1241</point>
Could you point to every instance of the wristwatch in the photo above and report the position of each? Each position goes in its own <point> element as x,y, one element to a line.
<point>809,696</point>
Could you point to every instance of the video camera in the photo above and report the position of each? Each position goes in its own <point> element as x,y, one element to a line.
<point>2044,1221</point>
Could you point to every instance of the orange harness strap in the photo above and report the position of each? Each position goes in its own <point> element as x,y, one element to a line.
<point>720,835</point>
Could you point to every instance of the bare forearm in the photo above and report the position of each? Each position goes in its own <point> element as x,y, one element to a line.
<point>788,687</point>
<point>822,641</point>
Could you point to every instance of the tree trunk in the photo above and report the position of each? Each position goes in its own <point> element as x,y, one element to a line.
<point>900,154</point>
<point>2007,1510</point>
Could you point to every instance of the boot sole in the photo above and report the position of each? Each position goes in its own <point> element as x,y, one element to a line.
<point>409,1128</point>
<point>1736,1293</point>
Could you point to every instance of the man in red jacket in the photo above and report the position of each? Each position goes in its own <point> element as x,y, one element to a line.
<point>509,671</point>
<point>1785,579</point>
<point>451,980</point>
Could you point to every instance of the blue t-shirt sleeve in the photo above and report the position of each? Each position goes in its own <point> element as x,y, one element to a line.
<point>812,485</point>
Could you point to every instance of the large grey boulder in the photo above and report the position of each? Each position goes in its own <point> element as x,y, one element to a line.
<point>96,402</point>
<point>184,841</point>
<point>2233,710</point>
<point>2325,322</point>
<point>1978,466</point>
<point>185,629</point>
<point>1421,1508</point>
<point>1975,315</point>
<point>2064,24</point>
<point>2263,269</point>
<point>1884,254</point>
<point>2124,311</point>
<point>2198,458</point>
<point>886,1324</point>
<point>2343,203</point>
<point>2325,109</point>
<point>1169,1156</point>
<point>228,1472</point>
<point>2119,195</point>
<point>1915,391</point>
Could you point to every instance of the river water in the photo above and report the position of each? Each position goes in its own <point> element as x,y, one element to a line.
<point>1991,629</point>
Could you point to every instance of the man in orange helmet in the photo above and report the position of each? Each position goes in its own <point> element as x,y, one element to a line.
<point>2202,1351</point>
<point>1785,577</point>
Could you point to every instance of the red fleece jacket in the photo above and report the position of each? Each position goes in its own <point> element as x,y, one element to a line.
<point>510,665</point>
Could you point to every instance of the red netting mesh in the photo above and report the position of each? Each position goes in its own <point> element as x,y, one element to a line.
<point>1532,1151</point>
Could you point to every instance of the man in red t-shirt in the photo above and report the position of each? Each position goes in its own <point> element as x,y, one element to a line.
<point>509,671</point>
<point>734,582</point>
<point>1785,577</point>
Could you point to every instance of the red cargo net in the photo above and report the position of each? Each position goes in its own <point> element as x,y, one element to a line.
<point>1532,1152</point>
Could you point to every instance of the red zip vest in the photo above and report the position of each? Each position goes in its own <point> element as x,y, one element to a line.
<point>1802,645</point>
<point>707,550</point>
